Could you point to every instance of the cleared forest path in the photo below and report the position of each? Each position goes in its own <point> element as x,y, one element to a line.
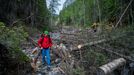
<point>72,37</point>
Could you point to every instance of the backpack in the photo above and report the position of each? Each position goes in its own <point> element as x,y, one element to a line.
<point>42,36</point>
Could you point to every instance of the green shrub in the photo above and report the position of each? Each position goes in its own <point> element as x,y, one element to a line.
<point>78,71</point>
<point>95,58</point>
<point>12,37</point>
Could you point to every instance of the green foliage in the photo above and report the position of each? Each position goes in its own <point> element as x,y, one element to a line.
<point>46,28</point>
<point>79,12</point>
<point>43,15</point>
<point>53,6</point>
<point>95,58</point>
<point>78,71</point>
<point>86,12</point>
<point>12,38</point>
<point>73,14</point>
<point>110,8</point>
<point>100,59</point>
<point>18,54</point>
<point>42,9</point>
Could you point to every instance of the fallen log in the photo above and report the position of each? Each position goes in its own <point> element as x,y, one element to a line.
<point>69,34</point>
<point>110,67</point>
<point>94,43</point>
<point>88,44</point>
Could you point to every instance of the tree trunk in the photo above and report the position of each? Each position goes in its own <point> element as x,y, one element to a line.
<point>99,10</point>
<point>108,68</point>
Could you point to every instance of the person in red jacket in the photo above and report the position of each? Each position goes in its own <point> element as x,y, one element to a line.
<point>45,42</point>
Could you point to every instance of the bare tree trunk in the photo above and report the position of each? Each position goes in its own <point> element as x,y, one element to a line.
<point>31,12</point>
<point>94,10</point>
<point>84,12</point>
<point>108,68</point>
<point>98,3</point>
<point>131,14</point>
<point>121,11</point>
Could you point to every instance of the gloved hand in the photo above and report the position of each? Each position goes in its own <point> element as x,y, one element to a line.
<point>50,48</point>
<point>41,48</point>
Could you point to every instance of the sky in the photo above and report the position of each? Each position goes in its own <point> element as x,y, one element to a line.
<point>59,7</point>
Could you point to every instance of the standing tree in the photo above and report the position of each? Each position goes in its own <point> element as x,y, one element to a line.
<point>52,8</point>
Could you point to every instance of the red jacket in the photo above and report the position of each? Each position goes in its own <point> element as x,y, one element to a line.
<point>45,42</point>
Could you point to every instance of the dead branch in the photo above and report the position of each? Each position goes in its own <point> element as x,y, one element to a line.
<point>21,19</point>
<point>118,54</point>
<point>123,13</point>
